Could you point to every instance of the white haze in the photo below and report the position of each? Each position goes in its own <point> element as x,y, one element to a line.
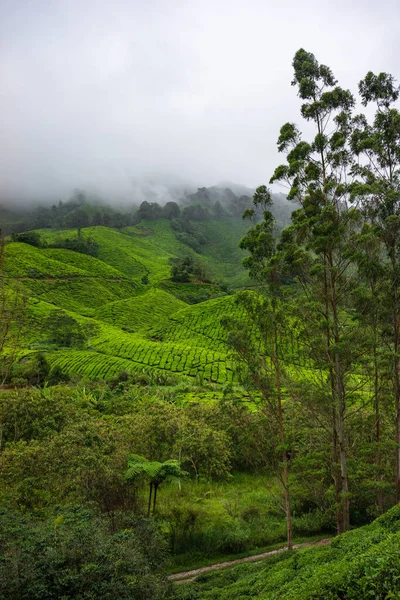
<point>114,96</point>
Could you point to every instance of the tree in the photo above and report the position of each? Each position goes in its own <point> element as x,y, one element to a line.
<point>149,210</point>
<point>74,553</point>
<point>202,448</point>
<point>373,313</point>
<point>63,329</point>
<point>316,245</point>
<point>187,268</point>
<point>171,210</point>
<point>195,213</point>
<point>97,219</point>
<point>378,183</point>
<point>77,218</point>
<point>218,210</point>
<point>29,237</point>
<point>257,343</point>
<point>156,472</point>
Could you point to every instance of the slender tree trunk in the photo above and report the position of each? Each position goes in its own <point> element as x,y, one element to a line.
<point>396,386</point>
<point>340,399</point>
<point>335,440</point>
<point>378,457</point>
<point>341,411</point>
<point>285,474</point>
<point>179,462</point>
<point>342,448</point>
<point>155,498</point>
<point>336,476</point>
<point>149,505</point>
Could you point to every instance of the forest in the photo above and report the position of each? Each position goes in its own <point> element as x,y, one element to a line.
<point>212,379</point>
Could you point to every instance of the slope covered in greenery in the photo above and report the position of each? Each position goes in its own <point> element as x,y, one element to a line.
<point>140,318</point>
<point>360,564</point>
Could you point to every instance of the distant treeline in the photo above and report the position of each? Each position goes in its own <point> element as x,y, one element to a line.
<point>78,243</point>
<point>79,212</point>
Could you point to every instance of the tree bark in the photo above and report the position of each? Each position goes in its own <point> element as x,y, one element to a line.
<point>396,386</point>
<point>335,475</point>
<point>340,398</point>
<point>149,505</point>
<point>378,457</point>
<point>285,474</point>
<point>155,498</point>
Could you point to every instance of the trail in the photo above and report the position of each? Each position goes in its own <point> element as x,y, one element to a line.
<point>188,576</point>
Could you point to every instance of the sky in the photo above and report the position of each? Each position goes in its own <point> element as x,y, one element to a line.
<point>104,95</point>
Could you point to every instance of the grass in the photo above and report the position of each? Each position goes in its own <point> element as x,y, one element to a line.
<point>210,522</point>
<point>78,294</point>
<point>24,261</point>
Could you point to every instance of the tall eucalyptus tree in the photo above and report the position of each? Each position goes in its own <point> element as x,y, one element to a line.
<point>316,244</point>
<point>377,145</point>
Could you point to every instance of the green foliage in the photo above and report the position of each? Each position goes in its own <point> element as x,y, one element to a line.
<point>81,244</point>
<point>157,472</point>
<point>187,268</point>
<point>73,554</point>
<point>63,330</point>
<point>29,237</point>
<point>357,565</point>
<point>103,288</point>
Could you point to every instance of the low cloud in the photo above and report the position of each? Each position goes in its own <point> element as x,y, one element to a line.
<point>111,96</point>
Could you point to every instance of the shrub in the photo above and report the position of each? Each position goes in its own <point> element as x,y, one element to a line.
<point>74,555</point>
<point>29,237</point>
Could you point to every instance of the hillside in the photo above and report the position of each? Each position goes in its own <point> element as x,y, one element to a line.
<point>357,565</point>
<point>141,319</point>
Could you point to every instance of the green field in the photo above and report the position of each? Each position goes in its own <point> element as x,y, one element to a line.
<point>160,325</point>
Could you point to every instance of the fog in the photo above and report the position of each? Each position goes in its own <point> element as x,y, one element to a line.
<point>116,96</point>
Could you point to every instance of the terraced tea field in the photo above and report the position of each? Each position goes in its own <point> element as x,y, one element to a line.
<point>159,326</point>
<point>201,323</point>
<point>138,326</point>
<point>142,313</point>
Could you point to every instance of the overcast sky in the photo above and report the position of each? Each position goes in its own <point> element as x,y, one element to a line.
<point>100,94</point>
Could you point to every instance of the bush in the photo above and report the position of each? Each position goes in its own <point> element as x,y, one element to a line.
<point>83,245</point>
<point>309,524</point>
<point>29,237</point>
<point>63,329</point>
<point>57,375</point>
<point>74,555</point>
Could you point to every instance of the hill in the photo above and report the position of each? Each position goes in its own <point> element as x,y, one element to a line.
<point>151,201</point>
<point>140,318</point>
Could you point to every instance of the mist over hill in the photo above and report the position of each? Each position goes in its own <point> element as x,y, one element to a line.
<point>150,199</point>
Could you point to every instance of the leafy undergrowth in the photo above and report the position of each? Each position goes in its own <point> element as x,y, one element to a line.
<point>361,564</point>
<point>211,522</point>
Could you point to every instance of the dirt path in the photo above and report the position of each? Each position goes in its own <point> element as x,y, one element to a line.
<point>187,576</point>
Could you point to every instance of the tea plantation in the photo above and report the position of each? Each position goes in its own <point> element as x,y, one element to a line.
<point>141,319</point>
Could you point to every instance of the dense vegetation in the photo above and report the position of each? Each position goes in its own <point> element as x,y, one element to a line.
<point>83,210</point>
<point>359,564</point>
<point>157,404</point>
